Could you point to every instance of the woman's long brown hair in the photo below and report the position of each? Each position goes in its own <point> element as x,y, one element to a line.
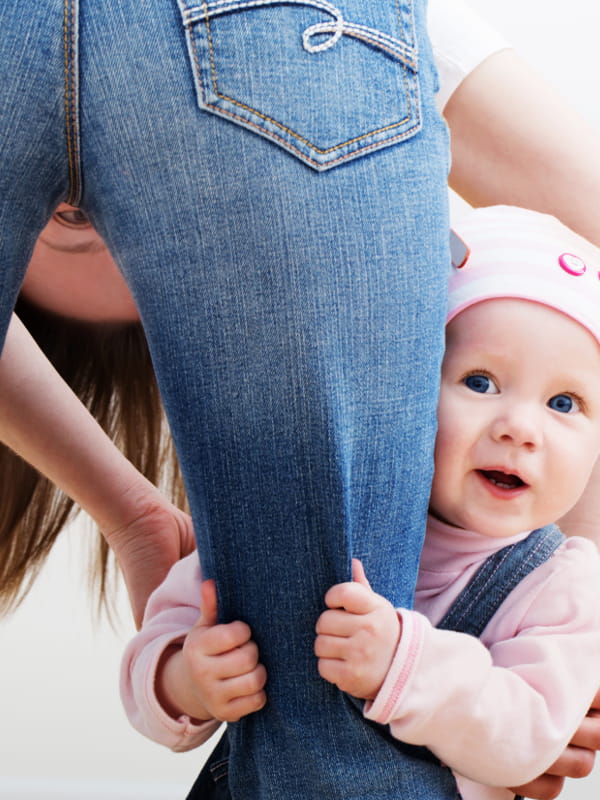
<point>108,366</point>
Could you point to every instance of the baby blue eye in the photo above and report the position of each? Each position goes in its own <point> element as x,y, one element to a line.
<point>563,403</point>
<point>480,383</point>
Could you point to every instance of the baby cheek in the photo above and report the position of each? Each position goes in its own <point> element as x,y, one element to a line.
<point>570,479</point>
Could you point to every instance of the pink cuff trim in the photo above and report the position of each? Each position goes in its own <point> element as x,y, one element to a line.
<point>180,733</point>
<point>384,707</point>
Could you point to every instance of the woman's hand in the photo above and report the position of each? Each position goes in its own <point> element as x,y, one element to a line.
<point>157,536</point>
<point>577,760</point>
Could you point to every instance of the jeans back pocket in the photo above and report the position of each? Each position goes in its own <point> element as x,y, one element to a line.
<point>327,82</point>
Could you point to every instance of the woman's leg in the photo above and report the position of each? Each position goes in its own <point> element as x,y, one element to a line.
<point>275,194</point>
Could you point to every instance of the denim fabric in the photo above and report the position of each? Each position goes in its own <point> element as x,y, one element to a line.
<point>271,179</point>
<point>212,782</point>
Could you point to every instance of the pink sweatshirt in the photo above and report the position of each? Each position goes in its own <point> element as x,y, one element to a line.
<point>499,710</point>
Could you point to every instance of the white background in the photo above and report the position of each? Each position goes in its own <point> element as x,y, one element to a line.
<point>62,731</point>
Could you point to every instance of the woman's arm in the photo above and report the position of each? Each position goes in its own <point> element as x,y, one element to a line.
<point>47,425</point>
<point>515,141</point>
<point>576,761</point>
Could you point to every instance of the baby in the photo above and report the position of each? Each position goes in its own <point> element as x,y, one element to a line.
<point>519,432</point>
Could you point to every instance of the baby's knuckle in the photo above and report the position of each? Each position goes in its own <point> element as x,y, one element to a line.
<point>325,670</point>
<point>253,682</point>
<point>246,660</point>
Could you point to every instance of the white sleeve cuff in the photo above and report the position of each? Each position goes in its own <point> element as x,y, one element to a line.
<point>461,40</point>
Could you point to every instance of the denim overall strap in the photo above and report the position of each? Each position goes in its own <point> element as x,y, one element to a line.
<point>495,580</point>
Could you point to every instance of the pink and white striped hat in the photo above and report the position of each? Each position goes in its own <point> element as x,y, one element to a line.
<point>504,251</point>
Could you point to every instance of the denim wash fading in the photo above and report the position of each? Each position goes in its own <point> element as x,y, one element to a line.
<point>271,179</point>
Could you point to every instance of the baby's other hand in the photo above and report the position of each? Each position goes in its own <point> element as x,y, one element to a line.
<point>357,636</point>
<point>216,674</point>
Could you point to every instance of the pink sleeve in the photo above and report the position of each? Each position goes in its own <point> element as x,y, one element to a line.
<point>501,714</point>
<point>172,610</point>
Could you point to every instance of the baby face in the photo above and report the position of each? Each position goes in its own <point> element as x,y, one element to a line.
<point>519,417</point>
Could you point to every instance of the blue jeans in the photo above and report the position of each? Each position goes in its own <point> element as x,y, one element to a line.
<point>270,176</point>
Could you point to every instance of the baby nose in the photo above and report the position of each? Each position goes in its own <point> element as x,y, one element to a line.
<point>518,427</point>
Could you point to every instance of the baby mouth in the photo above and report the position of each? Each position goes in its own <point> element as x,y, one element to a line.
<point>503,480</point>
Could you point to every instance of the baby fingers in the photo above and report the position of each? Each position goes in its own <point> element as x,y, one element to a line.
<point>332,647</point>
<point>238,662</point>
<point>220,638</point>
<point>337,622</point>
<point>240,695</point>
<point>353,597</point>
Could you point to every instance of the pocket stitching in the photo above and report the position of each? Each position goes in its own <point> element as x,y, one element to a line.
<point>286,143</point>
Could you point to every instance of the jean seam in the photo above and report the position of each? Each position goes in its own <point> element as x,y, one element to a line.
<point>407,92</point>
<point>405,134</point>
<point>71,100</point>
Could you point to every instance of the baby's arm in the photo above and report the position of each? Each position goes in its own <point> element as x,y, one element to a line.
<point>46,424</point>
<point>502,715</point>
<point>183,674</point>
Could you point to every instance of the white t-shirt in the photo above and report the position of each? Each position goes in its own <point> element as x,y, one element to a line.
<point>461,41</point>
